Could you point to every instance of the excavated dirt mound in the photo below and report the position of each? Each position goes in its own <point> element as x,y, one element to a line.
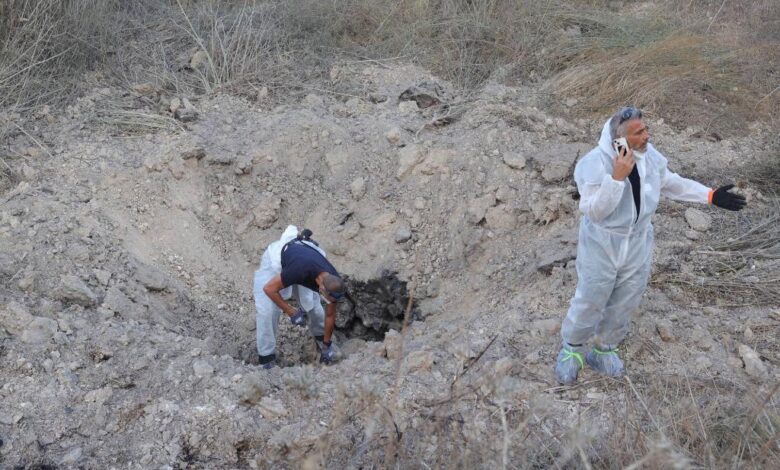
<point>381,305</point>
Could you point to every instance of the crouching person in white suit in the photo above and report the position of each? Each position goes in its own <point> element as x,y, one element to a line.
<point>296,266</point>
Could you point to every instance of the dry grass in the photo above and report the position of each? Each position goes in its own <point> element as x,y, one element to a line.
<point>741,271</point>
<point>655,421</point>
<point>670,60</point>
<point>705,60</point>
<point>46,44</point>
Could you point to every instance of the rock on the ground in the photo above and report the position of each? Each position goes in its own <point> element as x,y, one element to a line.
<point>116,301</point>
<point>698,220</point>
<point>151,278</point>
<point>202,368</point>
<point>40,330</point>
<point>418,361</point>
<point>244,165</point>
<point>72,456</point>
<point>14,317</point>
<point>478,207</point>
<point>559,258</point>
<point>403,233</point>
<point>692,234</point>
<point>197,153</point>
<point>514,160</point>
<point>271,408</point>
<point>408,158</point>
<point>187,112</point>
<point>337,158</point>
<point>555,171</point>
<point>437,161</point>
<point>392,344</point>
<point>199,59</point>
<point>753,364</point>
<point>222,158</point>
<point>703,338</point>
<point>174,104</point>
<point>251,389</point>
<point>394,136</point>
<point>358,188</point>
<point>72,289</point>
<point>267,211</point>
<point>665,331</point>
<point>547,327</point>
<point>749,335</point>
<point>501,217</point>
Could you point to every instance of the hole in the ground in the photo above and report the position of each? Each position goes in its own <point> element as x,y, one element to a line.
<point>381,304</point>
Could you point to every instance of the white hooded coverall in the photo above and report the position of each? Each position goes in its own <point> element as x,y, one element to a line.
<point>614,250</point>
<point>267,316</point>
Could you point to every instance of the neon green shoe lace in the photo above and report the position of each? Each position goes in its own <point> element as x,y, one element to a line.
<point>608,351</point>
<point>568,353</point>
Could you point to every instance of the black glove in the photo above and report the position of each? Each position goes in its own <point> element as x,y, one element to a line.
<point>721,197</point>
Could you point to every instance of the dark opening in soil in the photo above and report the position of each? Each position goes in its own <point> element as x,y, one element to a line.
<point>381,304</point>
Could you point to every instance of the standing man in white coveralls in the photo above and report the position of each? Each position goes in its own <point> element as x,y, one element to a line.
<point>620,183</point>
<point>296,266</point>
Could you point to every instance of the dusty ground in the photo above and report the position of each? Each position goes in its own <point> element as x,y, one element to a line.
<point>126,312</point>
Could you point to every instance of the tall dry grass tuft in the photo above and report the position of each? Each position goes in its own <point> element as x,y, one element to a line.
<point>44,44</point>
<point>682,62</point>
<point>710,61</point>
<point>649,75</point>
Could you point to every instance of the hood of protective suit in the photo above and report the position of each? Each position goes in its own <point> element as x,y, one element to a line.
<point>605,145</point>
<point>271,265</point>
<point>275,248</point>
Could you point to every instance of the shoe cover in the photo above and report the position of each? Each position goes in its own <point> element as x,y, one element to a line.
<point>606,361</point>
<point>570,361</point>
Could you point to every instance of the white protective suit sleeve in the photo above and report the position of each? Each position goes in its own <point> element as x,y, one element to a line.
<point>597,201</point>
<point>678,188</point>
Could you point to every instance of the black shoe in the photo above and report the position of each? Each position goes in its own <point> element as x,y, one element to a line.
<point>268,362</point>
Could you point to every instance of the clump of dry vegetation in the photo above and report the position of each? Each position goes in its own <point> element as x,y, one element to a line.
<point>711,60</point>
<point>643,421</point>
<point>739,271</point>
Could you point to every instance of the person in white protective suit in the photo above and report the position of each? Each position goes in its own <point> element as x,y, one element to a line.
<point>295,266</point>
<point>620,183</point>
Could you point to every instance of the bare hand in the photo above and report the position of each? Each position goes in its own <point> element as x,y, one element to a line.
<point>624,163</point>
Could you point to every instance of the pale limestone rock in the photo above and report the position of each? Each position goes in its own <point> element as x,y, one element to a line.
<point>514,160</point>
<point>753,364</point>
<point>698,220</point>
<point>72,289</point>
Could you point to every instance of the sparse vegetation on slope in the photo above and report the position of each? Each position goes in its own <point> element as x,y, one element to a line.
<point>701,60</point>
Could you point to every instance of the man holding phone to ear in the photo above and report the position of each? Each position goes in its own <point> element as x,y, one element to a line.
<point>620,183</point>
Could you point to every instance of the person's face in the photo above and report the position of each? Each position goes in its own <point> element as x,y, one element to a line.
<point>637,135</point>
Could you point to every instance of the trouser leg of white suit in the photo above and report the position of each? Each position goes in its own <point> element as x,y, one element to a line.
<point>627,294</point>
<point>596,277</point>
<point>266,317</point>
<point>315,314</point>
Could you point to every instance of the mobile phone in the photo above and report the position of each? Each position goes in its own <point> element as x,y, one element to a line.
<point>620,145</point>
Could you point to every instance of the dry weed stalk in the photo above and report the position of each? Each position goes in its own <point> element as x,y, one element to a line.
<point>133,122</point>
<point>743,270</point>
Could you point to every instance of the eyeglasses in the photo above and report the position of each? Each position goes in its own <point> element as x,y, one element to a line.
<point>628,113</point>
